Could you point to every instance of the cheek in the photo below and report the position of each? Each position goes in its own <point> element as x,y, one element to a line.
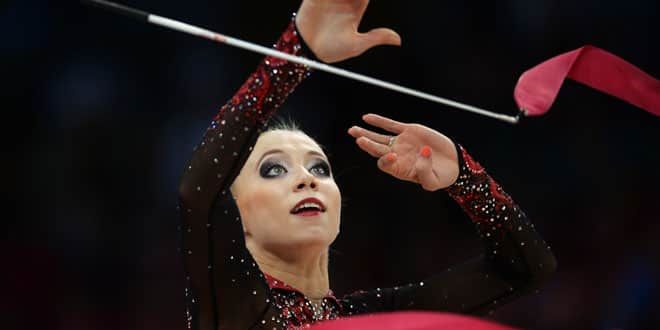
<point>260,203</point>
<point>334,199</point>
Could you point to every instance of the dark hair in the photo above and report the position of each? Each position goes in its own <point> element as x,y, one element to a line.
<point>289,124</point>
<point>284,124</point>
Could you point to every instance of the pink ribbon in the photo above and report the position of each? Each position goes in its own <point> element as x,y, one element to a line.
<point>410,320</point>
<point>537,88</point>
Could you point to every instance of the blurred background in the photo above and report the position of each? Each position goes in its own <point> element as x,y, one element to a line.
<point>106,111</point>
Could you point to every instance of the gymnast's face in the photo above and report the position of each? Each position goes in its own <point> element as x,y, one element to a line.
<point>286,194</point>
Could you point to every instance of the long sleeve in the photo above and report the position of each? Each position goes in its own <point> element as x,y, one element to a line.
<point>516,259</point>
<point>224,287</point>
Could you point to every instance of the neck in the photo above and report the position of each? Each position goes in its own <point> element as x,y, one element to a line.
<point>306,272</point>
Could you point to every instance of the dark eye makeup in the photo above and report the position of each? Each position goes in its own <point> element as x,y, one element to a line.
<point>273,168</point>
<point>320,167</point>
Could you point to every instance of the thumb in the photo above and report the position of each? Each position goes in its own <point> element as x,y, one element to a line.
<point>424,170</point>
<point>380,36</point>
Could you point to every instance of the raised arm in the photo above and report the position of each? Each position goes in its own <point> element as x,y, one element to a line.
<point>224,285</point>
<point>515,262</point>
<point>516,259</point>
<point>217,265</point>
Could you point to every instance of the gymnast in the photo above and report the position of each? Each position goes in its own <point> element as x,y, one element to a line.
<point>260,207</point>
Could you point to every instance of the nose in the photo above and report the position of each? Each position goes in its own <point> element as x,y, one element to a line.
<point>306,181</point>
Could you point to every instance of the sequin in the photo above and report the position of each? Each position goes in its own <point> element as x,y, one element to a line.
<point>229,268</point>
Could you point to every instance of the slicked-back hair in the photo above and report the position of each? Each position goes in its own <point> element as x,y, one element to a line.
<point>284,124</point>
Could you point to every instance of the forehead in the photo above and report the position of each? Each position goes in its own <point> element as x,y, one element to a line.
<point>287,141</point>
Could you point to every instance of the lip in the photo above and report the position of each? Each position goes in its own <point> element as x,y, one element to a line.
<point>309,200</point>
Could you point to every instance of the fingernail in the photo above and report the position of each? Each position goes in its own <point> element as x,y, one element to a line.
<point>390,157</point>
<point>425,152</point>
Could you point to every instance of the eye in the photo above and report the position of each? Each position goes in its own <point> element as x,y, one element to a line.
<point>321,168</point>
<point>271,170</point>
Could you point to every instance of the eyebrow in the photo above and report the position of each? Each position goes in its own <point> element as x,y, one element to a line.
<point>276,151</point>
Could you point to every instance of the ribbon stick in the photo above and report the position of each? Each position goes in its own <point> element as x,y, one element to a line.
<point>200,32</point>
<point>537,88</point>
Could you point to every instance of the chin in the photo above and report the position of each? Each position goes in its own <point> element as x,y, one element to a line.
<point>311,238</point>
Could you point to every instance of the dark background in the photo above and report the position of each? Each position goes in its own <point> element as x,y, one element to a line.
<point>102,112</point>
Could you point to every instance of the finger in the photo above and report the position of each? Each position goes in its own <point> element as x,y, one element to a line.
<point>373,148</point>
<point>357,131</point>
<point>380,36</point>
<point>424,170</point>
<point>384,123</point>
<point>387,163</point>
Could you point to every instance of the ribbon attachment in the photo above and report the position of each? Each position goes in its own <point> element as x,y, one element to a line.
<point>537,87</point>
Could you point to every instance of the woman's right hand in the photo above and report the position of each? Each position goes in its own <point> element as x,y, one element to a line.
<point>329,27</point>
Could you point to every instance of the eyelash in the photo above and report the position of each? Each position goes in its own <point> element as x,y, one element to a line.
<point>321,164</point>
<point>267,167</point>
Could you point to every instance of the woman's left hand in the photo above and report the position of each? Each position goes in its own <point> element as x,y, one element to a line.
<point>413,153</point>
<point>330,29</point>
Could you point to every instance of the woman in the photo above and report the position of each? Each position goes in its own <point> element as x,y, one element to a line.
<point>275,274</point>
